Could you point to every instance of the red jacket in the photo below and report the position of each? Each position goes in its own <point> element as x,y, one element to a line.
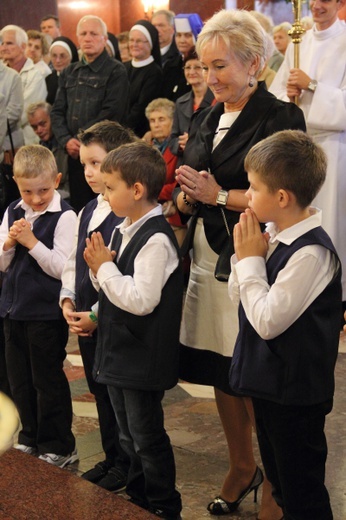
<point>171,183</point>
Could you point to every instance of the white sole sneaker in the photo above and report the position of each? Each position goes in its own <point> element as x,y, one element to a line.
<point>60,460</point>
<point>26,449</point>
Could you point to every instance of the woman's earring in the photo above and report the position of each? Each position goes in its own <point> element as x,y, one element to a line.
<point>251,81</point>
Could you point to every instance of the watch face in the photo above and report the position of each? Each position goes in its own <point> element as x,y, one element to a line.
<point>312,85</point>
<point>222,197</point>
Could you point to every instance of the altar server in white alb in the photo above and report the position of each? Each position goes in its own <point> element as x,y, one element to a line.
<point>320,83</point>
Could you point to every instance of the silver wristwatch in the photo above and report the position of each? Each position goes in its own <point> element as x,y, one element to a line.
<point>221,199</point>
<point>312,85</point>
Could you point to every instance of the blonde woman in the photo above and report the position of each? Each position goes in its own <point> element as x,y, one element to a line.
<point>232,50</point>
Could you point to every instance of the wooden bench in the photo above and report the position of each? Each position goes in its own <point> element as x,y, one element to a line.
<point>31,489</point>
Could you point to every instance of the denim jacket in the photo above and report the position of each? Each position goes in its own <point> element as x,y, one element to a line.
<point>88,93</point>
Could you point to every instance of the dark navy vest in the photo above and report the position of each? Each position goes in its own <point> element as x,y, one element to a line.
<point>140,352</point>
<point>86,295</point>
<point>28,293</point>
<point>296,367</point>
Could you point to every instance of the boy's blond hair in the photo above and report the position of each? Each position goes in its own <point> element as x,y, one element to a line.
<point>33,161</point>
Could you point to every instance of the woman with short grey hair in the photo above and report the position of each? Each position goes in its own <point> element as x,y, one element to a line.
<point>213,183</point>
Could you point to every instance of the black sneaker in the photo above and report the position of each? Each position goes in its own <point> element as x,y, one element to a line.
<point>96,473</point>
<point>115,480</point>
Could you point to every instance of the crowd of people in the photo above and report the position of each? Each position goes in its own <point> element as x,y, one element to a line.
<point>150,161</point>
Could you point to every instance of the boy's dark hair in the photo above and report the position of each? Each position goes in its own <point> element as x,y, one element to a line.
<point>138,162</point>
<point>107,134</point>
<point>289,160</point>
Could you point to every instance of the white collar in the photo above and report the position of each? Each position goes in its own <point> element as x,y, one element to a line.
<point>53,206</point>
<point>289,235</point>
<point>128,228</point>
<point>142,63</point>
<point>165,49</point>
<point>336,28</point>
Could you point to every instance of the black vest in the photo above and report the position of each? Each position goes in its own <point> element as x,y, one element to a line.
<point>28,293</point>
<point>86,295</point>
<point>296,367</point>
<point>140,352</point>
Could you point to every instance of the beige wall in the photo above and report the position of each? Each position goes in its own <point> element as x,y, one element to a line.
<point>69,15</point>
<point>119,15</point>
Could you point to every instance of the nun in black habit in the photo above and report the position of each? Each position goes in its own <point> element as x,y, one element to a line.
<point>144,73</point>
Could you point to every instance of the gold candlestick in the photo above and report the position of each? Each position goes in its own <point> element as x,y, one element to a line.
<point>296,34</point>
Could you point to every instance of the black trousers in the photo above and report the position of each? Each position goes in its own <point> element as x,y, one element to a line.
<point>294,451</point>
<point>4,384</point>
<point>151,478</point>
<point>35,352</point>
<point>115,455</point>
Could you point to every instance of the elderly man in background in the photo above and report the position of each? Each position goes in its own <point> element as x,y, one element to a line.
<point>12,93</point>
<point>2,125</point>
<point>163,20</point>
<point>91,90</point>
<point>14,41</point>
<point>40,121</point>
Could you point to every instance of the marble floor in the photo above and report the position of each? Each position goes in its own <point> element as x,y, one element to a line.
<point>199,445</point>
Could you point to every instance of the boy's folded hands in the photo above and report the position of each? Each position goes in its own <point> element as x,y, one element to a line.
<point>97,253</point>
<point>248,237</point>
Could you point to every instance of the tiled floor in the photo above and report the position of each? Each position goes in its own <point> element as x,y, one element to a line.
<point>199,445</point>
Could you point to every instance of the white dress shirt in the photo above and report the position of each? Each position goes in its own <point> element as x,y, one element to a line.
<point>155,262</point>
<point>68,277</point>
<point>51,261</point>
<point>272,309</point>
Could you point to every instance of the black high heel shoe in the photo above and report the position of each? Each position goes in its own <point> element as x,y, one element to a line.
<point>220,506</point>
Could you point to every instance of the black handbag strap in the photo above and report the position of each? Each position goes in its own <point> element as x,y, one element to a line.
<point>10,136</point>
